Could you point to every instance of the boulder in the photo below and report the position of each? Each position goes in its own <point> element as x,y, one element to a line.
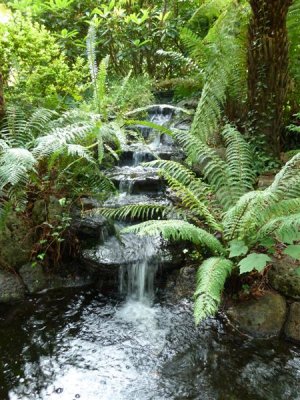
<point>11,287</point>
<point>34,277</point>
<point>262,317</point>
<point>92,227</point>
<point>292,326</point>
<point>283,277</point>
<point>128,249</point>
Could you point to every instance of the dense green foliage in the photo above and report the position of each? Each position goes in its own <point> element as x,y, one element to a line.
<point>74,75</point>
<point>228,206</point>
<point>34,68</point>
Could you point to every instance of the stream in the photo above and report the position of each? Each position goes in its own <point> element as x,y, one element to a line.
<point>135,344</point>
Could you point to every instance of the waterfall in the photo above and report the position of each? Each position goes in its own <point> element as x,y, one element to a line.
<point>137,278</point>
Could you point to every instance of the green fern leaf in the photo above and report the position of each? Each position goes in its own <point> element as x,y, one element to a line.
<point>211,278</point>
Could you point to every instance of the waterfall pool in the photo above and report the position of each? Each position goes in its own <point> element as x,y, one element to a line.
<point>79,344</point>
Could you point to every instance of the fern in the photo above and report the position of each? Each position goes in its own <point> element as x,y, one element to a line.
<point>100,88</point>
<point>281,227</point>
<point>240,162</point>
<point>193,204</point>
<point>211,278</point>
<point>151,125</point>
<point>135,212</point>
<point>177,230</point>
<point>174,169</point>
<point>15,166</point>
<point>191,190</point>
<point>91,52</point>
<point>223,46</point>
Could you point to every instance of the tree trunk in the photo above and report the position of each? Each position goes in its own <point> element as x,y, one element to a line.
<point>268,70</point>
<point>2,105</point>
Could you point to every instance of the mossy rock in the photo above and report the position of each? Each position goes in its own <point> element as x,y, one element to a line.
<point>16,241</point>
<point>283,277</point>
<point>262,317</point>
<point>11,287</point>
<point>292,326</point>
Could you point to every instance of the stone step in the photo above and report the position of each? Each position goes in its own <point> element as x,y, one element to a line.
<point>124,199</point>
<point>129,249</point>
<point>136,179</point>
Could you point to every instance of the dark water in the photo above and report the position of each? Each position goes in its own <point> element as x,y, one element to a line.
<point>78,344</point>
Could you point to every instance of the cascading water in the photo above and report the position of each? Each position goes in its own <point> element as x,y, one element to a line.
<point>137,279</point>
<point>80,344</point>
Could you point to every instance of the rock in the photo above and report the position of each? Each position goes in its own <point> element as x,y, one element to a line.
<point>263,317</point>
<point>11,287</point>
<point>182,283</point>
<point>292,326</point>
<point>70,281</point>
<point>34,277</point>
<point>46,211</point>
<point>16,241</point>
<point>136,179</point>
<point>92,227</point>
<point>88,203</point>
<point>283,277</point>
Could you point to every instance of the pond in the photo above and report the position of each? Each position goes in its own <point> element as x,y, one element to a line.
<point>80,344</point>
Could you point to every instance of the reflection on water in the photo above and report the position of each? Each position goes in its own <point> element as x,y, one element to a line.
<point>81,345</point>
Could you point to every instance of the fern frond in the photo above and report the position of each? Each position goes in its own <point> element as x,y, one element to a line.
<point>211,278</point>
<point>79,151</point>
<point>192,202</point>
<point>91,52</point>
<point>15,165</point>
<point>226,52</point>
<point>240,162</point>
<point>293,25</point>
<point>214,169</point>
<point>280,226</point>
<point>122,88</point>
<point>100,87</point>
<point>176,230</point>
<point>149,124</point>
<point>243,219</point>
<point>195,46</point>
<point>287,182</point>
<point>174,169</point>
<point>59,137</point>
<point>181,59</point>
<point>134,212</point>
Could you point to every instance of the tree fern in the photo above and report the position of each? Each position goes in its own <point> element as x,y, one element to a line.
<point>211,278</point>
<point>293,24</point>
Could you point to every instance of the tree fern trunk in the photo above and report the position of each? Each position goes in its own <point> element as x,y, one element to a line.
<point>268,70</point>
